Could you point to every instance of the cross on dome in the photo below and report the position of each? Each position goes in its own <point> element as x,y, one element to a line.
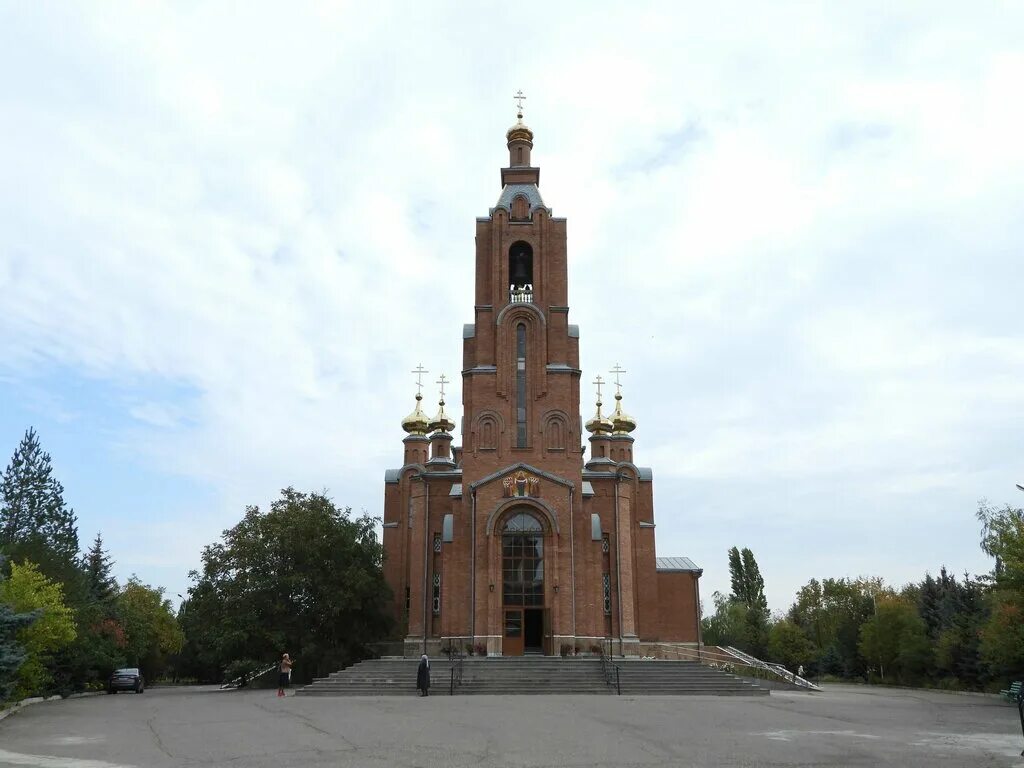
<point>419,370</point>
<point>442,381</point>
<point>618,370</point>
<point>518,96</point>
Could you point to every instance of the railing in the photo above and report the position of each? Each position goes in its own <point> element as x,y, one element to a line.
<point>769,666</point>
<point>732,658</point>
<point>609,668</point>
<point>455,660</point>
<point>522,294</point>
<point>244,679</point>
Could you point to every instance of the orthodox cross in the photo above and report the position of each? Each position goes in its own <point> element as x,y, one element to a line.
<point>598,381</point>
<point>419,370</point>
<point>618,370</point>
<point>518,96</point>
<point>442,381</point>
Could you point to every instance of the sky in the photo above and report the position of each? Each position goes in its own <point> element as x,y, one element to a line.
<point>228,232</point>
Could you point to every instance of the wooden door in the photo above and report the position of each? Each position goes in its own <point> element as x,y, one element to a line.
<point>512,644</point>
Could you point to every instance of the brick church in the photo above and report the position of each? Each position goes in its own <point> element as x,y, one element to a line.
<point>518,540</point>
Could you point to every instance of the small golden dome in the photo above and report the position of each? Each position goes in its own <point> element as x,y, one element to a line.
<point>623,423</point>
<point>600,423</point>
<point>441,422</point>
<point>417,422</point>
<point>519,131</point>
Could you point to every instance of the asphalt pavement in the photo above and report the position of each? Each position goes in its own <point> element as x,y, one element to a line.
<point>843,726</point>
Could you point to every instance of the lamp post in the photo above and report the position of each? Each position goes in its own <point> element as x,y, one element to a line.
<point>1020,694</point>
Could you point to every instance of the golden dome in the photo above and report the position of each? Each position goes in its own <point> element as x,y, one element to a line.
<point>441,422</point>
<point>599,424</point>
<point>519,131</point>
<point>417,422</point>
<point>623,423</point>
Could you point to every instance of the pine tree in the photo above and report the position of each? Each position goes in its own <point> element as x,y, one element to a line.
<point>97,564</point>
<point>32,501</point>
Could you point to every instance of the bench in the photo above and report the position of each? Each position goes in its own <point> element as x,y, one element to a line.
<point>1013,692</point>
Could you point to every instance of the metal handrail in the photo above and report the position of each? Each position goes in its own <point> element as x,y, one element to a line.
<point>241,679</point>
<point>455,660</point>
<point>770,666</point>
<point>734,656</point>
<point>608,667</point>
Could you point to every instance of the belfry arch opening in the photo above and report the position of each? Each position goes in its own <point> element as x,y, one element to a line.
<point>520,270</point>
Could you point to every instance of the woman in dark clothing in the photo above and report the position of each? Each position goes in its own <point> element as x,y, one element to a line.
<point>423,676</point>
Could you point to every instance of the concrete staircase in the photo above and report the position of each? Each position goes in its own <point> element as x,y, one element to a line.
<point>658,677</point>
<point>537,675</point>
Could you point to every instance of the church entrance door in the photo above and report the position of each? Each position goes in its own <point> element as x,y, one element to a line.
<point>533,630</point>
<point>522,589</point>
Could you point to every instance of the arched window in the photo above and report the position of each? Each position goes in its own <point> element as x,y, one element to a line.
<point>521,385</point>
<point>522,561</point>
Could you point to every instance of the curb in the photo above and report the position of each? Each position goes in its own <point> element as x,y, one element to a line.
<point>19,705</point>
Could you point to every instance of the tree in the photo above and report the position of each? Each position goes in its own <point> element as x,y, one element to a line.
<point>895,640</point>
<point>32,501</point>
<point>304,577</point>
<point>789,646</point>
<point>12,653</point>
<point>727,625</point>
<point>1002,637</point>
<point>151,630</point>
<point>747,583</point>
<point>101,584</point>
<point>29,590</point>
<point>748,591</point>
<point>1002,537</point>
<point>830,613</point>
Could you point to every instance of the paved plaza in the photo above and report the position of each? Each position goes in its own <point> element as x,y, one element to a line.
<point>844,726</point>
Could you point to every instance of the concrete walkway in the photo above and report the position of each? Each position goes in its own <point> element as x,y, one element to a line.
<point>206,727</point>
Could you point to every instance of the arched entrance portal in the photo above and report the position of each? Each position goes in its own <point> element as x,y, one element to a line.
<point>522,585</point>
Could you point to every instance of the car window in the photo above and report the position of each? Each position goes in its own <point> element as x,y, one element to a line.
<point>130,671</point>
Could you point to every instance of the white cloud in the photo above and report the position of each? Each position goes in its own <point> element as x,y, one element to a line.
<point>799,231</point>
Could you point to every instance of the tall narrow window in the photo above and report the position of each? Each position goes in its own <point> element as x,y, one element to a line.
<point>521,385</point>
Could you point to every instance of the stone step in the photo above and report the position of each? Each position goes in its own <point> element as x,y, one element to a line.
<point>538,675</point>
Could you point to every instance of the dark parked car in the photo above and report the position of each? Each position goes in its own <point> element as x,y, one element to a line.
<point>126,680</point>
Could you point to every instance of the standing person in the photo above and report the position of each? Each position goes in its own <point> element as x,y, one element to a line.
<point>800,671</point>
<point>423,676</point>
<point>284,674</point>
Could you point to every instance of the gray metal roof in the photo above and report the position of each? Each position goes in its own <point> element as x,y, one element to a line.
<point>392,475</point>
<point>645,474</point>
<point>676,564</point>
<point>574,331</point>
<point>468,330</point>
<point>456,489</point>
<point>588,489</point>
<point>529,191</point>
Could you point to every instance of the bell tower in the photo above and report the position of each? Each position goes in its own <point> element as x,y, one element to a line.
<point>521,357</point>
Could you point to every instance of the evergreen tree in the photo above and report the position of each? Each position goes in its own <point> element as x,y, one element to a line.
<point>32,501</point>
<point>97,564</point>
